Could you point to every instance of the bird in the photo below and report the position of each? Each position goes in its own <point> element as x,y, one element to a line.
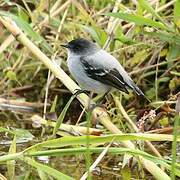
<point>96,70</point>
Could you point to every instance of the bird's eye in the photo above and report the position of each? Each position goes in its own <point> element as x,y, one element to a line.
<point>79,47</point>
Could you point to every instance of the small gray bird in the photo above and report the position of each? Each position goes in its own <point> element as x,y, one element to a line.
<point>96,70</point>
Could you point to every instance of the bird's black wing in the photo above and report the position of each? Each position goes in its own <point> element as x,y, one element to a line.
<point>110,77</point>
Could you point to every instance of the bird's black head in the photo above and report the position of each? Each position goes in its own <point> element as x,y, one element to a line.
<point>81,46</point>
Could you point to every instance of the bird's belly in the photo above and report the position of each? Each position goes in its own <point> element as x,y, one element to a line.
<point>84,81</point>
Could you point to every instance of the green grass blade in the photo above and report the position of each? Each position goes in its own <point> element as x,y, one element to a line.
<point>9,157</point>
<point>52,172</point>
<point>2,129</point>
<point>11,164</point>
<point>145,4</point>
<point>91,31</point>
<point>42,174</point>
<point>111,150</point>
<point>99,35</point>
<point>173,53</point>
<point>28,29</point>
<point>96,140</point>
<point>174,146</point>
<point>164,36</point>
<point>53,107</point>
<point>177,12</point>
<point>88,154</point>
<point>138,20</point>
<point>62,115</point>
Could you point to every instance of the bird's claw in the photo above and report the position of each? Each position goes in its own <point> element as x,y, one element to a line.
<point>80,91</point>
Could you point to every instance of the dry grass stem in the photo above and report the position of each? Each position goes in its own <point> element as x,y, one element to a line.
<point>36,119</point>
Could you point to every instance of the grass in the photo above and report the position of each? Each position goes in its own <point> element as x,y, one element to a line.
<point>144,37</point>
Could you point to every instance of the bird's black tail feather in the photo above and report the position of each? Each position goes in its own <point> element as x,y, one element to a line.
<point>139,92</point>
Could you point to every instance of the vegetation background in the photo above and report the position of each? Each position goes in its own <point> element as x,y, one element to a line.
<point>46,133</point>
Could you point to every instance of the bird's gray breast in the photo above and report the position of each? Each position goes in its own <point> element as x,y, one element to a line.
<point>78,72</point>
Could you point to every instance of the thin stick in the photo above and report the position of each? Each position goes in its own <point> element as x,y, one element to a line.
<point>6,43</point>
<point>38,120</point>
<point>112,24</point>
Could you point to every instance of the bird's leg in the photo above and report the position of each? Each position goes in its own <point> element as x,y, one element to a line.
<point>91,105</point>
<point>80,91</point>
<point>100,101</point>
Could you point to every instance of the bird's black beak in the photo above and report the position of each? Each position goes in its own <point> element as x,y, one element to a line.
<point>64,45</point>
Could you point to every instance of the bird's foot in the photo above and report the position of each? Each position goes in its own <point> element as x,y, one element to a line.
<point>93,106</point>
<point>80,91</point>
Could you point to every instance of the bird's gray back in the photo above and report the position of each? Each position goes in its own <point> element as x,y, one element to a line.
<point>103,59</point>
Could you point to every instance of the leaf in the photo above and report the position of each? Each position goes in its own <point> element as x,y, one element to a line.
<point>62,115</point>
<point>126,173</point>
<point>51,171</point>
<point>164,121</point>
<point>23,135</point>
<point>11,164</point>
<point>163,79</point>
<point>150,93</point>
<point>23,14</point>
<point>145,4</point>
<point>2,129</point>
<point>174,52</point>
<point>112,150</point>
<point>11,75</point>
<point>42,174</point>
<point>175,73</point>
<point>177,13</point>
<point>91,31</point>
<point>163,52</point>
<point>53,107</point>
<point>20,133</point>
<point>9,157</point>
<point>28,29</point>
<point>138,20</point>
<point>175,145</point>
<point>164,36</point>
<point>97,34</point>
<point>174,83</point>
<point>125,40</point>
<point>94,140</point>
<point>140,56</point>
